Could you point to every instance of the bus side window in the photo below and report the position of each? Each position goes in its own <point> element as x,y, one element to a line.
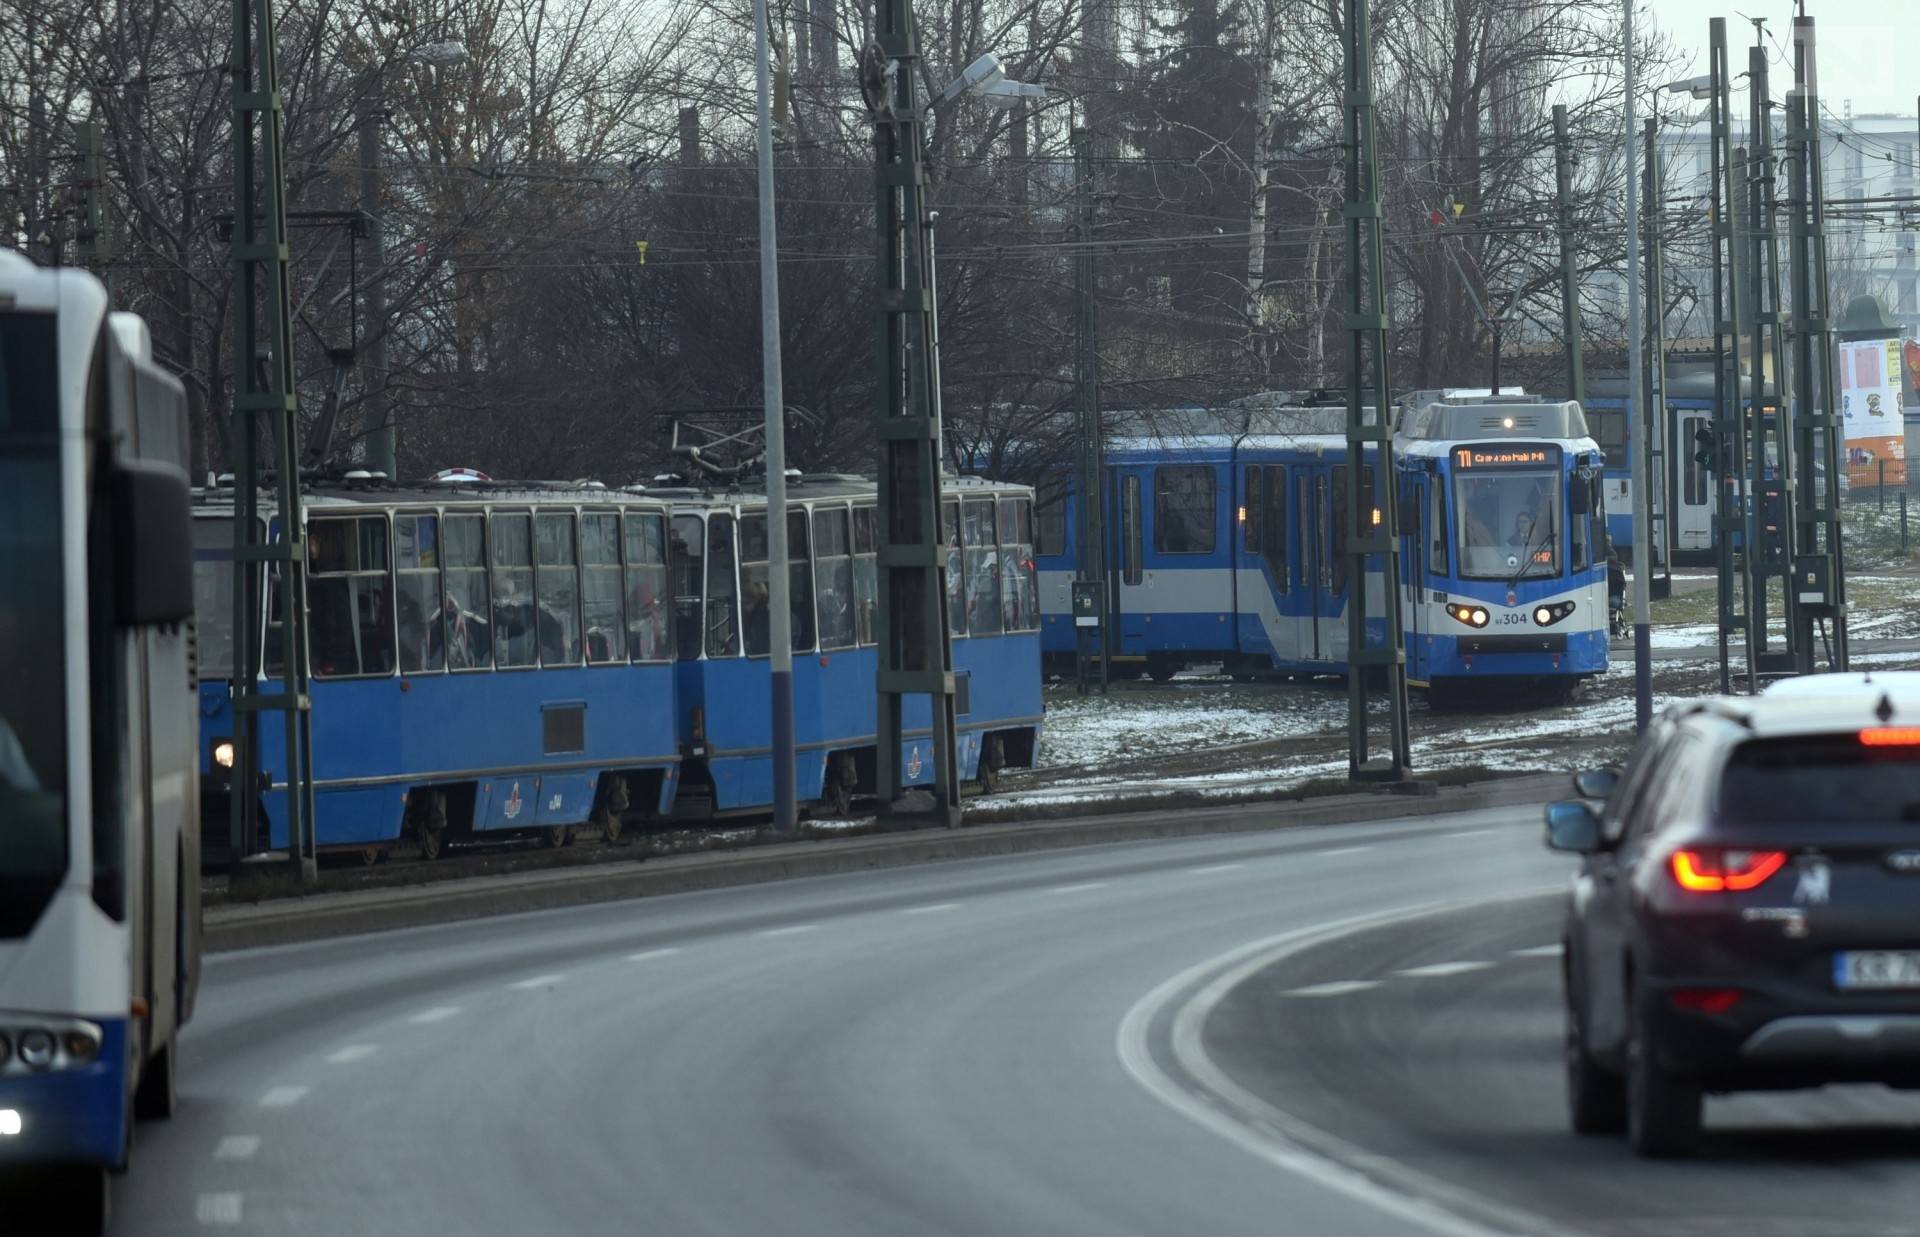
<point>1272,517</point>
<point>866,574</point>
<point>350,597</point>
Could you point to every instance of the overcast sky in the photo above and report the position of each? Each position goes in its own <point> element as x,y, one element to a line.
<point>1869,50</point>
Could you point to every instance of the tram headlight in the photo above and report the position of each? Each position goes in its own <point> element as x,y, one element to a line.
<point>6,1050</point>
<point>36,1049</point>
<point>10,1123</point>
<point>82,1044</point>
<point>223,753</point>
<point>1547,616</point>
<point>1472,616</point>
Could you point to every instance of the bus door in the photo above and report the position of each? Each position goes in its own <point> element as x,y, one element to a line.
<point>1692,515</point>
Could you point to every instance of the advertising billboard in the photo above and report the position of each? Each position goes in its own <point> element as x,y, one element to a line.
<point>1872,403</point>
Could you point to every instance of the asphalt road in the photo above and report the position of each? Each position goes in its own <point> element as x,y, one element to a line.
<point>981,1047</point>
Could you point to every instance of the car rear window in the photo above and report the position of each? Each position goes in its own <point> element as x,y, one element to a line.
<point>1821,778</point>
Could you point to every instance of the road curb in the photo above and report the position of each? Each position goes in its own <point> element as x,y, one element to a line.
<point>319,916</point>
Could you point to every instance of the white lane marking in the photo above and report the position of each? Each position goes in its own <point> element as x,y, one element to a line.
<point>648,955</point>
<point>236,1147</point>
<point>1538,951</point>
<point>935,909</point>
<point>1440,970</point>
<point>792,929</point>
<point>1343,850</point>
<point>352,1053</point>
<point>538,981</point>
<point>1337,987</point>
<point>1470,833</point>
<point>1082,887</point>
<point>283,1097</point>
<point>1217,1103</point>
<point>217,1208</point>
<point>1214,868</point>
<point>439,1013</point>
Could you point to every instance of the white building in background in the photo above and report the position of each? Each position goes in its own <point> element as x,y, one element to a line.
<point>1871,247</point>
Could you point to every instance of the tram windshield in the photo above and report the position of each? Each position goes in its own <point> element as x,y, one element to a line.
<point>1508,524</point>
<point>213,595</point>
<point>33,626</point>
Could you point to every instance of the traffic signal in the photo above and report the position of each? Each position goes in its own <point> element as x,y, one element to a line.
<point>1704,453</point>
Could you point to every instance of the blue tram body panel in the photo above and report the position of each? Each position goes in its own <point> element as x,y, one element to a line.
<point>1225,541</point>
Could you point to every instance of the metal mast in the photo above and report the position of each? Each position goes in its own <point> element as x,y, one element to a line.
<point>915,653</point>
<point>1569,276</point>
<point>1819,590</point>
<point>1655,442</point>
<point>1090,483</point>
<point>1770,453</point>
<point>1641,426</point>
<point>1732,506</point>
<point>1373,523</point>
<point>263,386</point>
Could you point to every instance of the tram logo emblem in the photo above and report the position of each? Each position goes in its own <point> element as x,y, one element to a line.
<point>512,809</point>
<point>913,762</point>
<point>553,804</point>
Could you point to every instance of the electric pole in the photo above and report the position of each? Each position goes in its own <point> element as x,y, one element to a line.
<point>915,651</point>
<point>1732,507</point>
<point>381,438</point>
<point>1640,426</point>
<point>1569,278</point>
<point>1373,526</point>
<point>1091,481</point>
<point>93,239</point>
<point>1770,453</point>
<point>1655,442</point>
<point>263,386</point>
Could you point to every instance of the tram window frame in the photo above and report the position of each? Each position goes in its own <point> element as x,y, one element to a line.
<point>756,570</point>
<point>837,566</point>
<point>1272,517</point>
<point>500,570</point>
<point>432,572</point>
<point>866,575</point>
<point>689,553</point>
<point>318,573</point>
<point>1580,540</point>
<point>1251,510</point>
<point>980,546</point>
<point>482,569</point>
<point>1201,536</point>
<point>1050,515</point>
<point>544,571</point>
<point>956,568</point>
<point>1132,535</point>
<point>720,536</point>
<point>595,569</point>
<point>1020,606</point>
<point>661,620</point>
<point>1439,544</point>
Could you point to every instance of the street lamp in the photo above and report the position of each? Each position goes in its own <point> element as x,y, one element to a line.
<point>443,54</point>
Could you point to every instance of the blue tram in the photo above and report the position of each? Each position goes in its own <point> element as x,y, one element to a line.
<point>492,658</point>
<point>722,681</point>
<point>1227,544</point>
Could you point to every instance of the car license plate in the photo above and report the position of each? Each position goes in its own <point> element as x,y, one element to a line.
<point>1877,968</point>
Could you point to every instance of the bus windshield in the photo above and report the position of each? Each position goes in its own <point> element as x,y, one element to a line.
<point>33,691</point>
<point>1508,524</point>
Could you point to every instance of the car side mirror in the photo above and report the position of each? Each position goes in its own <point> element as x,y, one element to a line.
<point>153,544</point>
<point>1573,826</point>
<point>1595,783</point>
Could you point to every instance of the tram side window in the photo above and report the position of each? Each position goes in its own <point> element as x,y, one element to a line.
<point>416,554</point>
<point>559,585</point>
<point>688,563</point>
<point>800,580</point>
<point>1050,516</point>
<point>866,574</point>
<point>603,626</point>
<point>647,627</point>
<point>833,564</point>
<point>757,609</point>
<point>1437,528</point>
<point>1579,524</point>
<point>1131,536</point>
<point>1272,518</point>
<point>350,593</point>
<point>1250,510</point>
<point>513,609</point>
<point>722,619</point>
<point>1183,510</point>
<point>1338,559</point>
<point>1695,473</point>
<point>467,603</point>
<point>983,567</point>
<point>1020,581</point>
<point>956,568</point>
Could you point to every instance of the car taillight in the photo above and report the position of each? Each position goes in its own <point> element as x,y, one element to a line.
<point>1722,871</point>
<point>1705,1000</point>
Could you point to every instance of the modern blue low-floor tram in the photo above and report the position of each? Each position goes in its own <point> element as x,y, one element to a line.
<point>721,634</point>
<point>486,658</point>
<point>1226,543</point>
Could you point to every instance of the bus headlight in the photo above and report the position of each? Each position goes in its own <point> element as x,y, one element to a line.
<point>223,753</point>
<point>36,1049</point>
<point>1547,616</point>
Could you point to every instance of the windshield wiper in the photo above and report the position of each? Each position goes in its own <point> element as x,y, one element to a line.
<point>1526,560</point>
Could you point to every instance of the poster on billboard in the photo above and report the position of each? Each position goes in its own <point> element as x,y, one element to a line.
<point>1871,406</point>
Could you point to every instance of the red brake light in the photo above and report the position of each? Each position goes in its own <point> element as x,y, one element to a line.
<point>1722,871</point>
<point>1705,1000</point>
<point>1890,736</point>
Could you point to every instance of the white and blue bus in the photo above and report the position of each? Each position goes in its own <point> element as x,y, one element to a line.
<point>99,857</point>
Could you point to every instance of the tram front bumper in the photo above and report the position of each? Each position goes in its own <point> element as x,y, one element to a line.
<point>76,1115</point>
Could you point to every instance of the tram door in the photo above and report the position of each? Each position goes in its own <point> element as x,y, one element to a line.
<point>1313,497</point>
<point>1692,514</point>
<point>1413,552</point>
<point>1129,598</point>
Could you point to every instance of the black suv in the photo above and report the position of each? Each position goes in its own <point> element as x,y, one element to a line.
<point>1747,911</point>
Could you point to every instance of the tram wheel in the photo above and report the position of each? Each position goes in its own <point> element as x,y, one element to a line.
<point>372,855</point>
<point>431,832</point>
<point>993,758</point>
<point>1161,670</point>
<point>559,836</point>
<point>836,791</point>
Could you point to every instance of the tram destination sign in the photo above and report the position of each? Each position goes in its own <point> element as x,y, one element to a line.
<point>1472,458</point>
